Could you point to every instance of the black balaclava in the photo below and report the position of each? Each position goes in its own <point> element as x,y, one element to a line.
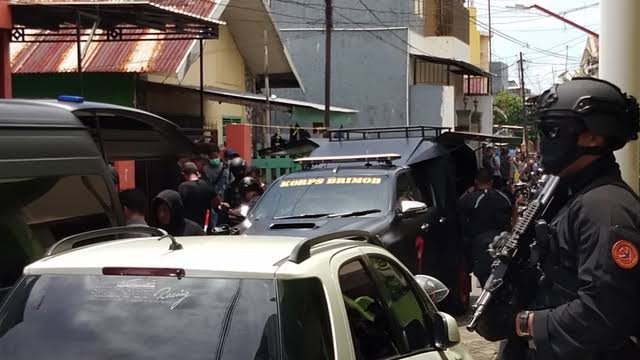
<point>559,143</point>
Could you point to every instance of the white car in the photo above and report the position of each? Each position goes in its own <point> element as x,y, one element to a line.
<point>223,297</point>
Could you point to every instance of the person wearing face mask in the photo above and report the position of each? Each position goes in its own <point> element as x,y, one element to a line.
<point>586,303</point>
<point>216,172</point>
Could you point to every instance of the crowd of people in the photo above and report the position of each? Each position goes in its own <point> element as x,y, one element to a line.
<point>509,167</point>
<point>215,188</point>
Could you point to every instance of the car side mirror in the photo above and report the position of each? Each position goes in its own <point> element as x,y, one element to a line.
<point>446,332</point>
<point>433,287</point>
<point>409,208</point>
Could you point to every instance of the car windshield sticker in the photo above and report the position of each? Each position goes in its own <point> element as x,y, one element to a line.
<point>141,291</point>
<point>334,180</point>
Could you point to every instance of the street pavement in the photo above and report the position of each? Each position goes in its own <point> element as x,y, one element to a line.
<point>479,348</point>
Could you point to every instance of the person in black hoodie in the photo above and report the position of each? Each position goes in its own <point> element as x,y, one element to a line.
<point>167,213</point>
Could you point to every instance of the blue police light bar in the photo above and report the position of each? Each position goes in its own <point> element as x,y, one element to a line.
<point>70,98</point>
<point>348,158</point>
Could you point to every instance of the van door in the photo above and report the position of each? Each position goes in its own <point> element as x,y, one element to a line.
<point>408,228</point>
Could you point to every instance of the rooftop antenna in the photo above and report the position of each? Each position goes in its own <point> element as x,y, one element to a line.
<point>174,244</point>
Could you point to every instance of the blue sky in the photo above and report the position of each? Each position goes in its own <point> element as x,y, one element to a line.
<point>543,35</point>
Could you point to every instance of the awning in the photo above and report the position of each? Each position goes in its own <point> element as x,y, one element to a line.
<point>143,36</point>
<point>455,66</point>
<point>246,99</point>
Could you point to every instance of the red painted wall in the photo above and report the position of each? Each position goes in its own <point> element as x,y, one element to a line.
<point>126,174</point>
<point>239,139</point>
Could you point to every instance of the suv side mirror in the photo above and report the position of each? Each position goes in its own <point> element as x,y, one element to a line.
<point>446,331</point>
<point>433,287</point>
<point>409,208</point>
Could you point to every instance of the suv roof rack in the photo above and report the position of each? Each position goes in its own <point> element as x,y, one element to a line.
<point>68,242</point>
<point>376,132</point>
<point>302,251</point>
<point>382,158</point>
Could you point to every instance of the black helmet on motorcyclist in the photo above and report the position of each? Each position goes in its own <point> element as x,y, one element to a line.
<point>583,105</point>
<point>248,184</point>
<point>237,167</point>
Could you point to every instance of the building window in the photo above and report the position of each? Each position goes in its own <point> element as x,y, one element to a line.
<point>226,120</point>
<point>418,7</point>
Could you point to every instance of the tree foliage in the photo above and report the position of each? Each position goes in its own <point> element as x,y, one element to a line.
<point>507,109</point>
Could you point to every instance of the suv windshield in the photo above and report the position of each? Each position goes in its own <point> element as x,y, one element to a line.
<point>112,317</point>
<point>322,196</point>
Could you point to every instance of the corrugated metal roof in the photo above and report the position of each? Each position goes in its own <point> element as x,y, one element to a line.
<point>162,56</point>
<point>118,56</point>
<point>202,8</point>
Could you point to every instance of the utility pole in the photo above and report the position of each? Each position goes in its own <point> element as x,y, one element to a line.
<point>267,88</point>
<point>327,63</point>
<point>524,112</point>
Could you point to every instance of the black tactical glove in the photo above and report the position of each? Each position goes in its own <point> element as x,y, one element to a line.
<point>498,322</point>
<point>497,243</point>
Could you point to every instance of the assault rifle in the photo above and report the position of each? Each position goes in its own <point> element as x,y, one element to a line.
<point>508,248</point>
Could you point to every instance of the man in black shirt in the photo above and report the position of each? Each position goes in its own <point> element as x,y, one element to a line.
<point>485,212</point>
<point>197,195</point>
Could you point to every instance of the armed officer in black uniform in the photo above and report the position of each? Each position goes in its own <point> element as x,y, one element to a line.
<point>587,304</point>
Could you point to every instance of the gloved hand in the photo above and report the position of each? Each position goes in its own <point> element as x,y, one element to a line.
<point>497,243</point>
<point>498,322</point>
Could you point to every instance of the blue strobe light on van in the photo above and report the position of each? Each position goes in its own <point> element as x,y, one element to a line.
<point>70,98</point>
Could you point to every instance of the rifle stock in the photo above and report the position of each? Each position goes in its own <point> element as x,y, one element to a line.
<point>507,249</point>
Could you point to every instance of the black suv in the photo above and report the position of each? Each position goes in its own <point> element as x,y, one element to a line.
<point>401,183</point>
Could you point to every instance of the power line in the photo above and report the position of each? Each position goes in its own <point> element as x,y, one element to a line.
<point>393,33</point>
<point>519,42</point>
<point>544,30</point>
<point>315,7</point>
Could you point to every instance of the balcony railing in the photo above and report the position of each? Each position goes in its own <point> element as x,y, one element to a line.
<point>447,18</point>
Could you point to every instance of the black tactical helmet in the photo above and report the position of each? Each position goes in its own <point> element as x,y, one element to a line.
<point>601,106</point>
<point>249,183</point>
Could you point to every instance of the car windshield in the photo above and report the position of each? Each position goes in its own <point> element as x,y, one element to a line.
<point>113,317</point>
<point>322,196</point>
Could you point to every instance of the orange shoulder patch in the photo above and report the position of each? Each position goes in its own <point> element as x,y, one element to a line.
<point>625,254</point>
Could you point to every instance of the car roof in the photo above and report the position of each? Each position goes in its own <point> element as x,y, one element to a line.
<point>408,148</point>
<point>203,256</point>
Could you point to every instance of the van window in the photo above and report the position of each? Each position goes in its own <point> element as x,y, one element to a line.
<point>37,212</point>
